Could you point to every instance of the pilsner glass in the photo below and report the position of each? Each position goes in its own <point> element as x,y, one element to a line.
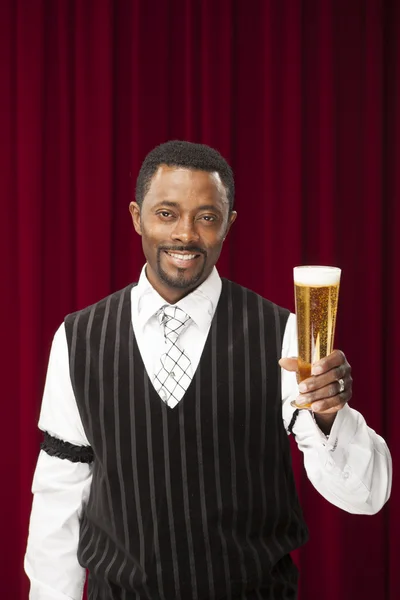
<point>316,293</point>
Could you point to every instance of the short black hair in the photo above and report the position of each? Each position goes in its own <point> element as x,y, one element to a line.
<point>177,153</point>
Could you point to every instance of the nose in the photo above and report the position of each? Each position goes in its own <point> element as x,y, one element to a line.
<point>185,231</point>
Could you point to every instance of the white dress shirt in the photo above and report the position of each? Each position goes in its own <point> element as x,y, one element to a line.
<point>351,468</point>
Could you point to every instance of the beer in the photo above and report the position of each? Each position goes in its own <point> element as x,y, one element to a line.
<point>316,292</point>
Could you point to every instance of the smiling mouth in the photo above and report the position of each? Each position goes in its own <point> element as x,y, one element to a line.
<point>179,256</point>
<point>182,259</point>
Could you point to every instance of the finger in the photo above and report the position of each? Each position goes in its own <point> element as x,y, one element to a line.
<point>335,359</point>
<point>289,364</point>
<point>331,390</point>
<point>315,382</point>
<point>331,405</point>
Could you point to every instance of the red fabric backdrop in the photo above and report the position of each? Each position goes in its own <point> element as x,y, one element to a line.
<point>303,98</point>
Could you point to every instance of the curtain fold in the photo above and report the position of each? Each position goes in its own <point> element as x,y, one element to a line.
<point>303,98</point>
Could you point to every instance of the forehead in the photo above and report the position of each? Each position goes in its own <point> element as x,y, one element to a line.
<point>178,183</point>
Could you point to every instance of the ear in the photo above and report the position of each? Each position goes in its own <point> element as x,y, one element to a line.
<point>134,209</point>
<point>231,220</point>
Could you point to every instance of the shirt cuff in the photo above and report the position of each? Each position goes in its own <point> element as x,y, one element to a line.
<point>305,426</point>
<point>344,428</point>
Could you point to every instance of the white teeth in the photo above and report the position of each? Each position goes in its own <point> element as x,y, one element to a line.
<point>182,256</point>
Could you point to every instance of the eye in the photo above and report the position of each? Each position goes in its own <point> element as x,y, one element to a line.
<point>165,214</point>
<point>209,218</point>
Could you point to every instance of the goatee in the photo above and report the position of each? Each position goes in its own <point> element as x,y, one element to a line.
<point>180,281</point>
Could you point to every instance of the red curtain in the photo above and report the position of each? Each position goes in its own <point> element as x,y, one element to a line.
<point>303,98</point>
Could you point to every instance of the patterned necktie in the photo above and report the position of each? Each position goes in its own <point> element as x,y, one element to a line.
<point>175,374</point>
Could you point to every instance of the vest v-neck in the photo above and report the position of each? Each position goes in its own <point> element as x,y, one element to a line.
<point>205,355</point>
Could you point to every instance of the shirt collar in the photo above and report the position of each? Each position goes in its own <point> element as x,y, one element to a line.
<point>200,304</point>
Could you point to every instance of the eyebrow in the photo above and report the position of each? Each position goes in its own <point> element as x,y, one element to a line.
<point>176,205</point>
<point>166,203</point>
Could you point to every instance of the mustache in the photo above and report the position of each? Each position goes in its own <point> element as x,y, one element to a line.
<point>192,249</point>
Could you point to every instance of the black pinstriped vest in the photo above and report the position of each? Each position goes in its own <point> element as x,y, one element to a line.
<point>198,501</point>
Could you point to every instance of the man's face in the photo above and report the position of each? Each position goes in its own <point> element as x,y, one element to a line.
<point>183,222</point>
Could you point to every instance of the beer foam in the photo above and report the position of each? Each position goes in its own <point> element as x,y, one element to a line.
<point>316,275</point>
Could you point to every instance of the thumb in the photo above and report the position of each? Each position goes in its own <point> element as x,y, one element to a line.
<point>289,364</point>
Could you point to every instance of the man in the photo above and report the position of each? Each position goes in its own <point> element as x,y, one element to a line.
<point>165,470</point>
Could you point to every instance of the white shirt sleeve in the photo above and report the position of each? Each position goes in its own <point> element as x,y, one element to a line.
<point>351,468</point>
<point>60,489</point>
